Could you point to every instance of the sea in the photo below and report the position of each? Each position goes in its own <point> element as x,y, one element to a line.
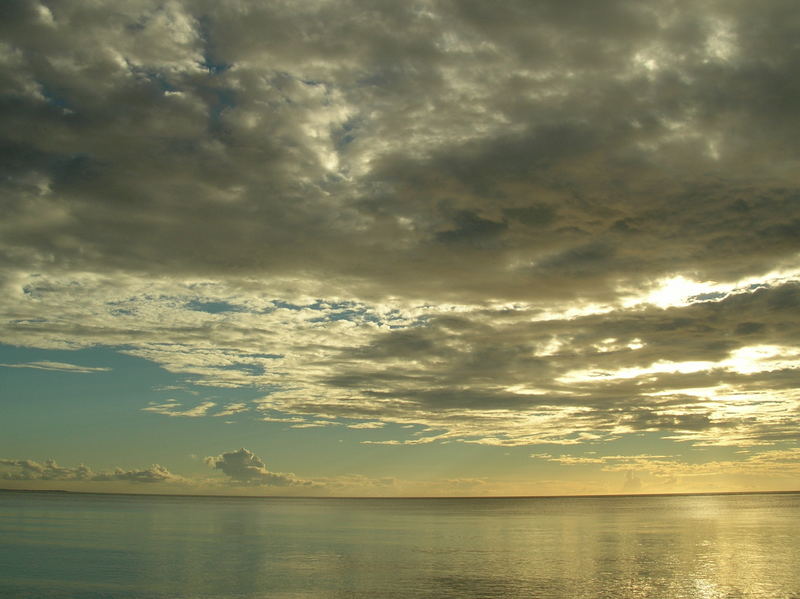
<point>91,546</point>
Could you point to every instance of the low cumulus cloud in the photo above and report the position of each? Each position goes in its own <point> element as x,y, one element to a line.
<point>244,467</point>
<point>49,470</point>
<point>153,474</point>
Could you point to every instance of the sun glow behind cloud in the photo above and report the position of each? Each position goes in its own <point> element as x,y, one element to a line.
<point>743,360</point>
<point>680,290</point>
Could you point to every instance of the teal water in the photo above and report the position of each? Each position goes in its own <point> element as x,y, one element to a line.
<point>56,545</point>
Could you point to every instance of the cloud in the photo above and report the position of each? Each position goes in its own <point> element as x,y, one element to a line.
<point>492,152</point>
<point>515,225</point>
<point>171,408</point>
<point>51,471</point>
<point>244,467</point>
<point>153,474</point>
<point>57,366</point>
<point>366,425</point>
<point>782,464</point>
<point>503,374</point>
<point>233,408</point>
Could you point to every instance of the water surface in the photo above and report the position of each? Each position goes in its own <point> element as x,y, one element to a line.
<point>55,546</point>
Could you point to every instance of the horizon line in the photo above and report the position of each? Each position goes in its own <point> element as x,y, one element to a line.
<point>226,496</point>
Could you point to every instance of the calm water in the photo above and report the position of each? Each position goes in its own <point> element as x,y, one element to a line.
<point>96,546</point>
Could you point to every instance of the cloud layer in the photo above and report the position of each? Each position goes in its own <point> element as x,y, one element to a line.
<point>436,150</point>
<point>51,471</point>
<point>469,217</point>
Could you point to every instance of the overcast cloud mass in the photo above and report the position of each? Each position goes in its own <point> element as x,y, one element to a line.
<point>510,224</point>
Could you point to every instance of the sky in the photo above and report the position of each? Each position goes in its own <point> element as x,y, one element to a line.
<point>399,248</point>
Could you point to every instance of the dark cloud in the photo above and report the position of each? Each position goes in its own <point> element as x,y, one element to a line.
<point>471,229</point>
<point>301,151</point>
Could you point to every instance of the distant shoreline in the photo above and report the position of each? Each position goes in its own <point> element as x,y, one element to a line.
<point>465,497</point>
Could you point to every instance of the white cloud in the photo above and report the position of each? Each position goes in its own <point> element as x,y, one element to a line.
<point>51,471</point>
<point>244,467</point>
<point>781,463</point>
<point>232,408</point>
<point>172,407</point>
<point>57,366</point>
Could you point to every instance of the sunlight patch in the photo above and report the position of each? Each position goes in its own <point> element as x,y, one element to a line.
<point>680,291</point>
<point>763,358</point>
